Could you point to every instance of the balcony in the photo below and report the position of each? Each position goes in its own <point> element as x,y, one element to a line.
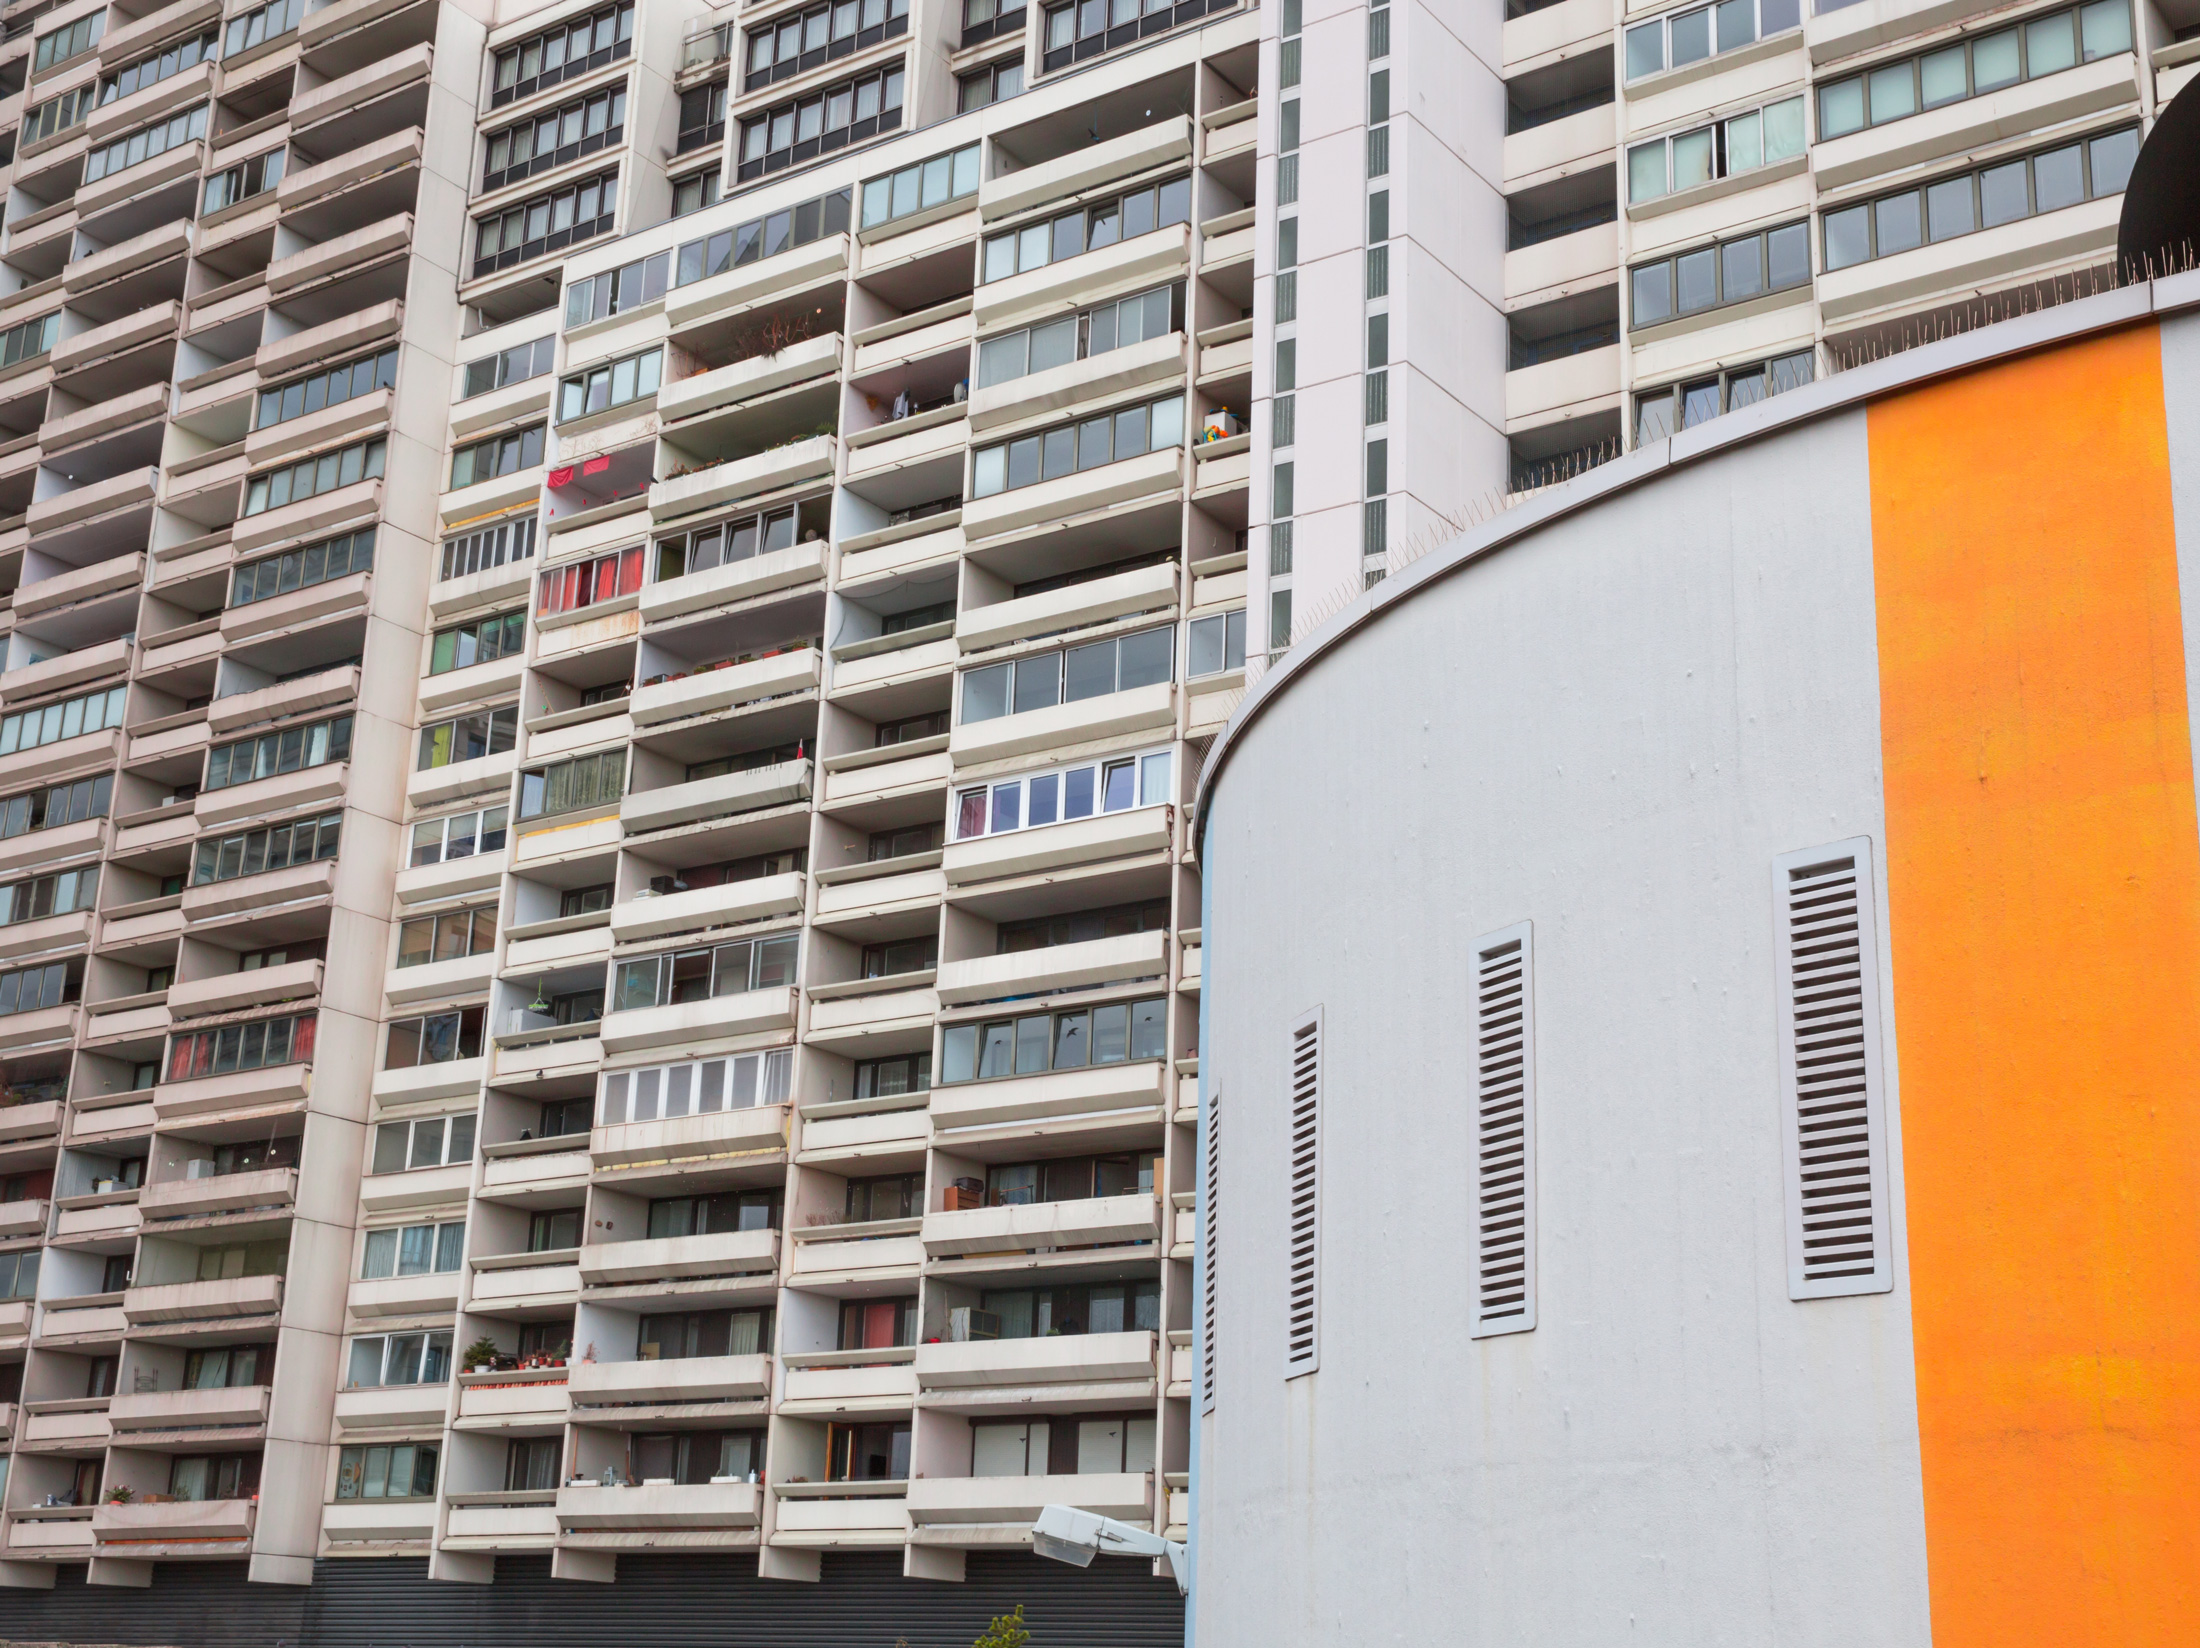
<point>272,1187</point>
<point>378,1521</point>
<point>340,254</point>
<point>135,1417</point>
<point>1038,293</point>
<point>440,980</point>
<point>1144,589</point>
<point>720,295</point>
<point>501,1522</point>
<point>720,797</point>
<point>424,1295</point>
<point>264,797</point>
<point>846,1014</point>
<point>1066,497</point>
<point>817,357</point>
<point>536,1170</point>
<point>723,1253</point>
<point>243,1090</point>
<point>825,1515</point>
<point>1081,841</point>
<point>27,1218</point>
<point>868,1134</point>
<point>705,907</point>
<point>203,1301</point>
<point>1570,387</point>
<point>759,1128</point>
<point>1086,167</point>
<point>372,1407</point>
<point>1078,384</point>
<point>1057,967</point>
<point>272,889</point>
<point>1564,264</point>
<point>738,581</point>
<point>532,1399</point>
<point>1558,148</point>
<point>1100,1087</point>
<point>948,1500</point>
<point>833,1383</point>
<point>712,691</point>
<point>520,1280</point>
<point>1011,1373</point>
<point>693,1022</point>
<point>678,1379</point>
<point>692,1506</point>
<point>1097,1221</point>
<point>1983,258</point>
<point>455,1078</point>
<point>780,466</point>
<point>39,1533</point>
<point>882,1250</point>
<point>60,1426</point>
<point>176,1528</point>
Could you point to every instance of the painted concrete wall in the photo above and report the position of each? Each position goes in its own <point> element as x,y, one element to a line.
<point>1609,731</point>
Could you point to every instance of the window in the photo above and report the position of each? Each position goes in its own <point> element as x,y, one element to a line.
<point>555,137</point>
<point>714,1215</point>
<point>1116,325</point>
<point>462,835</point>
<point>908,730</point>
<point>698,1456</point>
<point>401,1147</point>
<point>38,987</point>
<point>549,222</point>
<point>302,568</point>
<point>437,1038</point>
<point>699,975</point>
<point>451,936</point>
<point>29,340</point>
<point>867,1453</point>
<point>468,737</point>
<point>19,1274</point>
<point>272,753</point>
<point>798,41</point>
<point>579,584</point>
<point>309,477</point>
<point>994,83</point>
<point>327,388</point>
<point>260,1045</point>
<point>1117,1033</point>
<point>613,384</point>
<point>1087,229</point>
<point>242,181</point>
<point>616,291</point>
<point>498,455</point>
<point>699,1088</point>
<point>1972,68</point>
<point>65,718</point>
<point>1739,143</point>
<point>216,1476</point>
<point>1504,1112</point>
<point>64,43</point>
<point>725,542</point>
<point>1684,405</point>
<point>565,786</point>
<point>1070,1179</point>
<point>911,838</point>
<point>1982,199</point>
<point>584,901</point>
<point>702,118</point>
<point>514,365</point>
<point>151,71</point>
<point>481,642</point>
<point>989,19</point>
<point>491,547</point>
<point>1108,437</point>
<point>1215,644</point>
<point>256,28</point>
<point>1682,38</point>
<point>563,53</point>
<point>1087,28</point>
<point>249,852</point>
<point>561,1117</point>
<point>397,1470</point>
<point>891,1078</point>
<point>692,194</point>
<point>400,1359</point>
<point>802,130</point>
<point>1833,1126</point>
<point>896,1196</point>
<point>905,955</point>
<point>531,1463</point>
<point>1302,1272</point>
<point>1045,679</point>
<point>50,809</point>
<point>1710,276</point>
<point>413,1250</point>
<point>145,144</point>
<point>49,895</point>
<point>918,187</point>
<point>762,237</point>
<point>704,1333</point>
<point>1044,1313</point>
<point>54,116</point>
<point>1110,786</point>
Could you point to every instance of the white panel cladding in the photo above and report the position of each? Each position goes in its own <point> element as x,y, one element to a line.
<point>1504,1132</point>
<point>1302,1293</point>
<point>1832,1115</point>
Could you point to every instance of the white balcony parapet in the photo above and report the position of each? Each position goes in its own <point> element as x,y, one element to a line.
<point>1093,1221</point>
<point>1056,967</point>
<point>721,1253</point>
<point>1059,1359</point>
<point>673,1379</point>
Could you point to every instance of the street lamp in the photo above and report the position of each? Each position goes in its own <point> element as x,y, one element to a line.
<point>1067,1534</point>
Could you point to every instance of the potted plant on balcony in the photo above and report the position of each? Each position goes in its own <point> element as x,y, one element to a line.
<point>481,1355</point>
<point>121,1494</point>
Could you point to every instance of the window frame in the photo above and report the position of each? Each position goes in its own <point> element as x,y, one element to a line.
<point>468,1026</point>
<point>318,743</point>
<point>1717,251</point>
<point>973,1040</point>
<point>329,471</point>
<point>1663,27</point>
<point>760,152</point>
<point>936,180</point>
<point>1045,233</point>
<point>1016,665</point>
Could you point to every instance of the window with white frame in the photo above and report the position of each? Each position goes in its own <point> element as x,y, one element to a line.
<point>400,1359</point>
<point>1114,784</point>
<point>1683,37</point>
<point>413,1250</point>
<point>1725,148</point>
<point>1045,679</point>
<point>1971,68</point>
<point>429,1141</point>
<point>1214,644</point>
<point>698,1087</point>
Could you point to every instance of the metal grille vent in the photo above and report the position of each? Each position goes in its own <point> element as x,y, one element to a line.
<point>1302,1343</point>
<point>1504,1135</point>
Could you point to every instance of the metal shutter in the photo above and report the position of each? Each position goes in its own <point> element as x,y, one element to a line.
<point>1302,1338</point>
<point>1504,1133</point>
<point>1831,1114</point>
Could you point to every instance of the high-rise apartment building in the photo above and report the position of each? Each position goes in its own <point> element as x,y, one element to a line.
<point>611,612</point>
<point>1566,229</point>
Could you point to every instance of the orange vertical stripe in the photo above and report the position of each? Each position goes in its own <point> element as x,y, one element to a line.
<point>2043,862</point>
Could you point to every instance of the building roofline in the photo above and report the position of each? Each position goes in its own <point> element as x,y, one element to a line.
<point>2001,340</point>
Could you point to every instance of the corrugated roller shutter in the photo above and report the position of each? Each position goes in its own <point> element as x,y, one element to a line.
<point>674,1601</point>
